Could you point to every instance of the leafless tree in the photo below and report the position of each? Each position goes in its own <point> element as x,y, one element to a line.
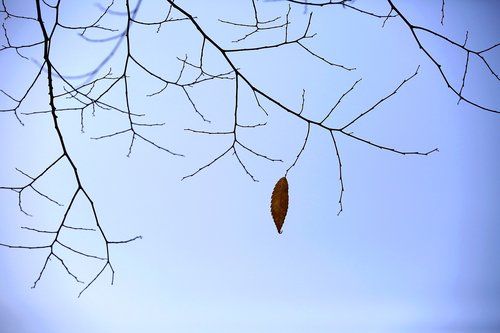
<point>211,60</point>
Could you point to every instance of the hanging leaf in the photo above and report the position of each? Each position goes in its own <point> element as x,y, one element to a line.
<point>279,203</point>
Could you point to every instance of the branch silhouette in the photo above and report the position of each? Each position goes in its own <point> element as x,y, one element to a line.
<point>89,92</point>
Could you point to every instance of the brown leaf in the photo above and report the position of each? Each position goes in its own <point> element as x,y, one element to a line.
<point>279,203</point>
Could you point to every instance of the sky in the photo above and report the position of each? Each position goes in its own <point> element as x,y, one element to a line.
<point>413,250</point>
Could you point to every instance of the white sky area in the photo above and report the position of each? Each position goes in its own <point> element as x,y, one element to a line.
<point>415,248</point>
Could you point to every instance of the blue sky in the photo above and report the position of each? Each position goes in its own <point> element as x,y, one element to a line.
<point>414,249</point>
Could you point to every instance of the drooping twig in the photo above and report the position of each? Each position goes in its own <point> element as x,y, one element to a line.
<point>478,53</point>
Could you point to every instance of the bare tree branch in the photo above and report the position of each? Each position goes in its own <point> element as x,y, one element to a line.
<point>478,53</point>
<point>213,65</point>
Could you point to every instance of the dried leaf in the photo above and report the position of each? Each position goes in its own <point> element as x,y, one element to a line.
<point>279,203</point>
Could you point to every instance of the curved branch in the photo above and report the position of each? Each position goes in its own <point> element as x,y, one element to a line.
<point>457,91</point>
